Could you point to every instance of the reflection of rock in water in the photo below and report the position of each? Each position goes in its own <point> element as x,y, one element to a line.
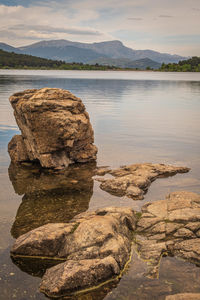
<point>50,197</point>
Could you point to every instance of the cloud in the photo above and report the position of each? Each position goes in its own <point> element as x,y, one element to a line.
<point>51,29</point>
<point>165,16</point>
<point>94,21</point>
<point>196,9</point>
<point>135,19</point>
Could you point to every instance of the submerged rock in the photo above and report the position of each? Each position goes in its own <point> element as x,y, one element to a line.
<point>133,180</point>
<point>96,247</point>
<point>170,227</point>
<point>55,127</point>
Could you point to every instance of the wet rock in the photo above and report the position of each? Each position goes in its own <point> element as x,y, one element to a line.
<point>74,275</point>
<point>184,296</point>
<point>133,180</point>
<point>101,171</point>
<point>95,243</point>
<point>50,197</point>
<point>169,227</point>
<point>55,127</point>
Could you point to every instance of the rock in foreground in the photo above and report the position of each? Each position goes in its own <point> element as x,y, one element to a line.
<point>184,296</point>
<point>55,127</point>
<point>133,180</point>
<point>95,245</point>
<point>170,227</point>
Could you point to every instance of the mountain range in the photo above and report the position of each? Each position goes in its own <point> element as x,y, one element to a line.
<point>107,53</point>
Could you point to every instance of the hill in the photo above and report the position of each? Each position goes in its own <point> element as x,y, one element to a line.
<point>141,64</point>
<point>85,52</point>
<point>189,65</point>
<point>9,48</point>
<point>24,61</point>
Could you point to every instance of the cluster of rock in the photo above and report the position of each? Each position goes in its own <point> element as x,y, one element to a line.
<point>55,128</point>
<point>170,226</point>
<point>96,247</point>
<point>93,247</point>
<point>134,180</point>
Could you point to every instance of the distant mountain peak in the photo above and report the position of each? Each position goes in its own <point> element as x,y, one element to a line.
<point>85,52</point>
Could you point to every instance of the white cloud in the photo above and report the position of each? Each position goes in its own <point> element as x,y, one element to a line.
<point>91,20</point>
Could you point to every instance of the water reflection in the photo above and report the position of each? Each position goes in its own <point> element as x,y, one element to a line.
<point>50,197</point>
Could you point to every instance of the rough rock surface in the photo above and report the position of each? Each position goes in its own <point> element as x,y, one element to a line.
<point>96,246</point>
<point>184,296</point>
<point>55,128</point>
<point>169,227</point>
<point>134,180</point>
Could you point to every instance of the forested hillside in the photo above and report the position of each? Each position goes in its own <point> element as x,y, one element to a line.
<point>189,65</point>
<point>11,60</point>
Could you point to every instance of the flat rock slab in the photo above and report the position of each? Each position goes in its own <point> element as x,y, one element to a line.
<point>133,180</point>
<point>96,247</point>
<point>55,127</point>
<point>170,226</point>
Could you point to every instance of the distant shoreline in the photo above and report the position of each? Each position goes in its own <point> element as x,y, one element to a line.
<point>103,70</point>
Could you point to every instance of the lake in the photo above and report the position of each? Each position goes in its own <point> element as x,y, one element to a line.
<point>137,117</point>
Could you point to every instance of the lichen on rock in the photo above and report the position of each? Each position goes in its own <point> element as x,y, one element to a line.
<point>55,127</point>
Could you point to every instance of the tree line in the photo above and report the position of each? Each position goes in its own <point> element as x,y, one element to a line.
<point>189,65</point>
<point>11,60</point>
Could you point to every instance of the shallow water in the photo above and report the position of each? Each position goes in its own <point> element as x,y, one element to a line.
<point>137,117</point>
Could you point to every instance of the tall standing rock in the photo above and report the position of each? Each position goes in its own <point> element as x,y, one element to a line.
<point>55,127</point>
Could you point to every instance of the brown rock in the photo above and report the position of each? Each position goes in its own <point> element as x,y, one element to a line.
<point>184,296</point>
<point>169,227</point>
<point>17,149</point>
<point>74,275</point>
<point>55,128</point>
<point>134,180</point>
<point>188,249</point>
<point>94,243</point>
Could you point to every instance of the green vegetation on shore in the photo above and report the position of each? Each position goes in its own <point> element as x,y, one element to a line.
<point>189,65</point>
<point>11,60</point>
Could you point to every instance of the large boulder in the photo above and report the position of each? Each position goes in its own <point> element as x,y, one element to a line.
<point>55,127</point>
<point>94,245</point>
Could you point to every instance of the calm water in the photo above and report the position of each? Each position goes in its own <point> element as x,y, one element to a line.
<point>137,117</point>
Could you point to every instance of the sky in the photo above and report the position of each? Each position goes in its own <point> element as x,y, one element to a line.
<point>170,26</point>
